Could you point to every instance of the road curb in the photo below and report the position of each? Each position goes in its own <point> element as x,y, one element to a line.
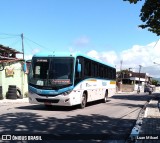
<point>24,100</point>
<point>136,129</point>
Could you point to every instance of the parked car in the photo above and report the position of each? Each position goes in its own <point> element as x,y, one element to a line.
<point>148,88</point>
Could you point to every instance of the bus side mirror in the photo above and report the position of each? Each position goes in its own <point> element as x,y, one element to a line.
<point>78,67</point>
<point>24,67</point>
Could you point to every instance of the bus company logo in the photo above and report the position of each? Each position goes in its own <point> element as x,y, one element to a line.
<point>6,137</point>
<point>104,84</point>
<point>88,85</point>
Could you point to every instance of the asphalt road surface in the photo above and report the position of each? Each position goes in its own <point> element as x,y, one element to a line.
<point>100,122</point>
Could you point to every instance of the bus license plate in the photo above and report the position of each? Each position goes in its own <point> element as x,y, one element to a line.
<point>47,103</point>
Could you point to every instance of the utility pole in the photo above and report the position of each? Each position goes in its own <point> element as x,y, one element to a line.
<point>139,79</point>
<point>121,69</point>
<point>22,45</point>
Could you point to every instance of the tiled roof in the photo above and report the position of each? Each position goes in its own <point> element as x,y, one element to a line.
<point>133,74</point>
<point>8,50</point>
<point>10,60</point>
<point>136,74</point>
<point>8,55</point>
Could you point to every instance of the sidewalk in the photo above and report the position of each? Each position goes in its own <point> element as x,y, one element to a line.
<point>150,128</point>
<point>121,92</point>
<point>24,100</point>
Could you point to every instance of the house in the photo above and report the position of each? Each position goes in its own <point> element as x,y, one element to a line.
<point>130,81</point>
<point>12,72</point>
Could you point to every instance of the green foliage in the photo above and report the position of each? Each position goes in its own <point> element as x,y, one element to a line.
<point>133,1</point>
<point>26,94</point>
<point>126,71</point>
<point>154,82</point>
<point>150,15</point>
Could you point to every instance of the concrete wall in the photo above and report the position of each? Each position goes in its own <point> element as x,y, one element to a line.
<point>157,89</point>
<point>141,87</point>
<point>19,78</point>
<point>127,88</point>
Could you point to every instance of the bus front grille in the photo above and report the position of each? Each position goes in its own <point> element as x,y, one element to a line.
<point>47,100</point>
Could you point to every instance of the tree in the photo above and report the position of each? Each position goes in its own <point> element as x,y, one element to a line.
<point>121,74</point>
<point>154,82</point>
<point>150,15</point>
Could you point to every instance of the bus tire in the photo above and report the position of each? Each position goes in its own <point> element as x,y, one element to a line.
<point>105,97</point>
<point>83,101</point>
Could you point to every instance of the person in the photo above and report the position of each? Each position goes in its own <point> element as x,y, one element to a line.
<point>138,90</point>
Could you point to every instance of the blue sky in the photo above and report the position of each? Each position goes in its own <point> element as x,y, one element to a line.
<point>105,29</point>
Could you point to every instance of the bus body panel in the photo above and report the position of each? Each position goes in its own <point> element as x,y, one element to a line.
<point>95,89</point>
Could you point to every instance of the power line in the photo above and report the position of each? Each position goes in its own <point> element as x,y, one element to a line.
<point>8,37</point>
<point>156,43</point>
<point>36,43</point>
<point>15,42</point>
<point>28,44</point>
<point>9,34</point>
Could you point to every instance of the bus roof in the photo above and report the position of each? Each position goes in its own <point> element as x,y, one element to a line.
<point>68,54</point>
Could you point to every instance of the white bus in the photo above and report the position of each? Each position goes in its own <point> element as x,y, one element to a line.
<point>66,79</point>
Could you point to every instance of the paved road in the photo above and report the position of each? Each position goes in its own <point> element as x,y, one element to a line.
<point>116,117</point>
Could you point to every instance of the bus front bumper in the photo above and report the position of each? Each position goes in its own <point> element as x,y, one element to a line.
<point>59,100</point>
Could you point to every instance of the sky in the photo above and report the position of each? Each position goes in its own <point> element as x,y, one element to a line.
<point>103,29</point>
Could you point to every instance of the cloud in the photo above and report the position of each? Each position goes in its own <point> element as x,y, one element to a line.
<point>82,41</point>
<point>141,55</point>
<point>109,57</point>
<point>36,50</point>
<point>133,57</point>
<point>94,54</point>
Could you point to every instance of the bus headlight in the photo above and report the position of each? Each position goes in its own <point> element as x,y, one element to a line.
<point>67,92</point>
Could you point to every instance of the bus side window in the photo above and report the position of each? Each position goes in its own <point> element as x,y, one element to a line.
<point>37,70</point>
<point>94,69</point>
<point>114,74</point>
<point>87,68</point>
<point>110,72</point>
<point>101,72</point>
<point>106,72</point>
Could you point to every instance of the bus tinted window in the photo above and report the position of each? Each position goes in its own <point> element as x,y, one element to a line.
<point>87,68</point>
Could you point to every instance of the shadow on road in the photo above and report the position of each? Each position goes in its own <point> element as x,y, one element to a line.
<point>136,97</point>
<point>86,127</point>
<point>58,108</point>
<point>43,108</point>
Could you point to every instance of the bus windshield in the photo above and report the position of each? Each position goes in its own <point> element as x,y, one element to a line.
<point>51,72</point>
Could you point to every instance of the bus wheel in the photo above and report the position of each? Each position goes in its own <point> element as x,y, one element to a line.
<point>84,101</point>
<point>105,97</point>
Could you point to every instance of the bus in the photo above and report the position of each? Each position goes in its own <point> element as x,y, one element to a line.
<point>67,79</point>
